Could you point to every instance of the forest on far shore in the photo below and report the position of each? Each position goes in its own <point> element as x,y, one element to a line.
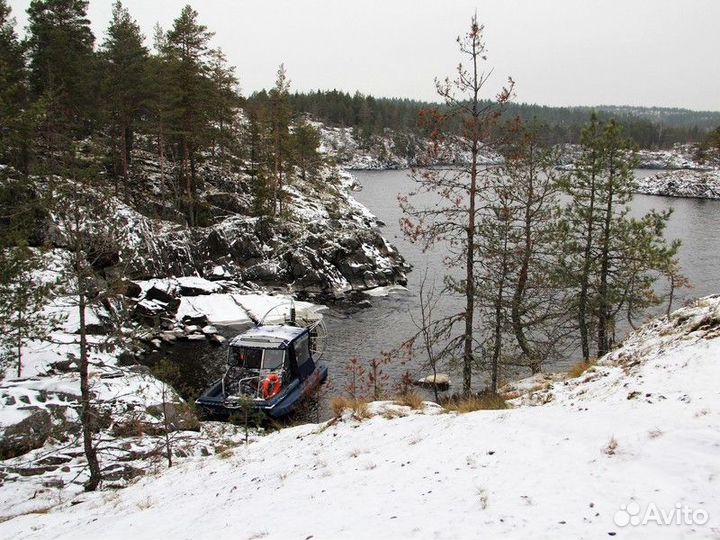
<point>647,127</point>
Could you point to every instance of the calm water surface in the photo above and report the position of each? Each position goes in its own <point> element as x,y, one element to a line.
<point>367,333</point>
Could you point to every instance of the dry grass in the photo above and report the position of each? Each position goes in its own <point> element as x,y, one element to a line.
<point>611,447</point>
<point>390,414</point>
<point>580,368</point>
<point>410,399</point>
<point>358,407</point>
<point>477,402</point>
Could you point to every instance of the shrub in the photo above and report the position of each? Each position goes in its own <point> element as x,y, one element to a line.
<point>485,400</point>
<point>410,399</point>
<point>611,448</point>
<point>358,407</point>
<point>580,368</point>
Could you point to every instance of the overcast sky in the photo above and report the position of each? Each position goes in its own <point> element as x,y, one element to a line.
<point>560,52</point>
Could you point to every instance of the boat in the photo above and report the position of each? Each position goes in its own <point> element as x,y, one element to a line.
<point>271,368</point>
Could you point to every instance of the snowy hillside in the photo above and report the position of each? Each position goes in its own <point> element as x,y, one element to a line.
<point>633,440</point>
<point>41,453</point>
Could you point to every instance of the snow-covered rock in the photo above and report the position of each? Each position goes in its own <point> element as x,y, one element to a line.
<point>392,150</point>
<point>682,183</point>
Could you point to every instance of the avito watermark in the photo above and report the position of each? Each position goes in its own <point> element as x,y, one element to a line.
<point>634,515</point>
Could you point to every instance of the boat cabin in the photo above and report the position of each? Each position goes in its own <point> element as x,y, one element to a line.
<point>270,368</point>
<point>263,351</point>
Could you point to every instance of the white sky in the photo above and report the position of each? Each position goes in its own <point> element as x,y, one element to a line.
<point>560,52</point>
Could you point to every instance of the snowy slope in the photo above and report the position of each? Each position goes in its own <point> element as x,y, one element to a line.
<point>642,427</point>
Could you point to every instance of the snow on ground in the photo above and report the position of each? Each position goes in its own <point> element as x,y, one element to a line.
<point>39,411</point>
<point>237,310</point>
<point>640,430</point>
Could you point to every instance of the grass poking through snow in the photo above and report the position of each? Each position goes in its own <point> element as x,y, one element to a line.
<point>477,402</point>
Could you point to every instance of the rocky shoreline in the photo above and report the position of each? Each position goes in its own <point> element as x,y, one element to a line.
<point>682,176</point>
<point>682,183</point>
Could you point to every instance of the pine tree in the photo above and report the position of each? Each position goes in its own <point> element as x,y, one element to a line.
<point>224,102</point>
<point>538,307</point>
<point>305,143</point>
<point>17,115</point>
<point>124,62</point>
<point>158,103</point>
<point>257,144</point>
<point>522,303</point>
<point>455,218</point>
<point>62,61</point>
<point>185,52</point>
<point>611,258</point>
<point>279,116</point>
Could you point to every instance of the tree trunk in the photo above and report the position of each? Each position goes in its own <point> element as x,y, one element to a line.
<point>188,182</point>
<point>123,161</point>
<point>193,187</point>
<point>585,275</point>
<point>497,348</point>
<point>521,284</point>
<point>168,445</point>
<point>470,279</point>
<point>19,342</point>
<point>87,415</point>
<point>603,343</point>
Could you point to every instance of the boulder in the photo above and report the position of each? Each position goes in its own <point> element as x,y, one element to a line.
<point>209,330</point>
<point>28,434</point>
<point>441,381</point>
<point>217,339</point>
<point>196,286</point>
<point>197,321</point>
<point>162,292</point>
<point>130,289</point>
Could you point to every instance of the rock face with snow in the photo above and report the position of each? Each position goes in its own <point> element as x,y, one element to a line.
<point>682,183</point>
<point>392,150</point>
<point>681,156</point>
<point>325,243</point>
<point>636,435</point>
<point>28,433</point>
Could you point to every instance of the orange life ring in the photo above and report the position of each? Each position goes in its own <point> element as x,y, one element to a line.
<point>274,380</point>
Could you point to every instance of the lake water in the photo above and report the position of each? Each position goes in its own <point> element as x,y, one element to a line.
<point>694,221</point>
<point>365,334</point>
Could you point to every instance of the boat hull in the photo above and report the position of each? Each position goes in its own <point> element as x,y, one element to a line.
<point>213,403</point>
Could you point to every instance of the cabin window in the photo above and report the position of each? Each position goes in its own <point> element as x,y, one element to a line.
<point>273,358</point>
<point>302,350</point>
<point>249,358</point>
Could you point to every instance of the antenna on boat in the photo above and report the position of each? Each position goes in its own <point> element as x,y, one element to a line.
<point>292,316</point>
<point>314,322</point>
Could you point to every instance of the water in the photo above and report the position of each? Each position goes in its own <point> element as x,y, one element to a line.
<point>694,222</point>
<point>365,334</point>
